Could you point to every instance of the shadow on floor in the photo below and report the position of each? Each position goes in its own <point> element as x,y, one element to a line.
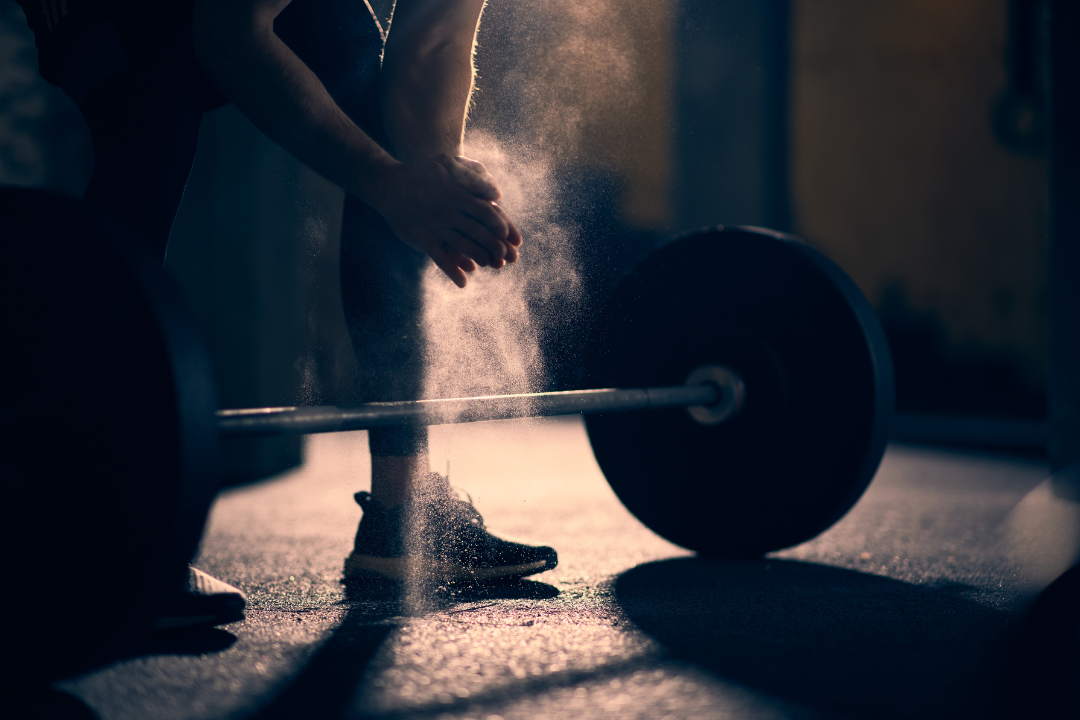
<point>520,590</point>
<point>822,637</point>
<point>200,641</point>
<point>391,594</point>
<point>327,686</point>
<point>1043,665</point>
<point>39,703</point>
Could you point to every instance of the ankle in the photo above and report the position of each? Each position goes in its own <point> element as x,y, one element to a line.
<point>397,480</point>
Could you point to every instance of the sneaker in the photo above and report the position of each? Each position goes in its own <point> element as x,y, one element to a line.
<point>437,538</point>
<point>206,601</point>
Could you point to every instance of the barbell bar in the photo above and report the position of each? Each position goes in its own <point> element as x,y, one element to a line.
<point>712,395</point>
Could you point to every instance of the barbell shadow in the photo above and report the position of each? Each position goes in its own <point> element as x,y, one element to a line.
<point>327,684</point>
<point>825,638</point>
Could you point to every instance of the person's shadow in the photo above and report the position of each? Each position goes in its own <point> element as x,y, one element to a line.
<point>822,637</point>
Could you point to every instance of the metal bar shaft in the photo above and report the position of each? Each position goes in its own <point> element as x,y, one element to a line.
<point>252,422</point>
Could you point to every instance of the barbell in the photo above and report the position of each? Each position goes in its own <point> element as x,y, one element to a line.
<point>744,402</point>
<point>711,395</point>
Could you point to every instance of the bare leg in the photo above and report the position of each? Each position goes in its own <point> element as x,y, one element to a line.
<point>394,480</point>
<point>399,464</point>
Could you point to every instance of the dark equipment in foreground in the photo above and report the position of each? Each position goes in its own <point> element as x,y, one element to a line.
<point>766,377</point>
<point>107,458</point>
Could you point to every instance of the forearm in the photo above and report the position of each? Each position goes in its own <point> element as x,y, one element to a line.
<point>282,96</point>
<point>434,202</point>
<point>428,75</point>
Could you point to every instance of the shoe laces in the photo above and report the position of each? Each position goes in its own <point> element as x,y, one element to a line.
<point>440,498</point>
<point>457,503</point>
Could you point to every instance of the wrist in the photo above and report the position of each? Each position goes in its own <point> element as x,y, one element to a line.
<point>372,183</point>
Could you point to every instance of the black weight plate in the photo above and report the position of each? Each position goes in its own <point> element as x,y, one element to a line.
<point>818,391</point>
<point>107,442</point>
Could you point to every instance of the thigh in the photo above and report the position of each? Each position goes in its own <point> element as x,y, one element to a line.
<point>382,296</point>
<point>341,41</point>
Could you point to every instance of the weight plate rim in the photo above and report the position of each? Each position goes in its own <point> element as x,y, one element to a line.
<point>857,310</point>
<point>877,346</point>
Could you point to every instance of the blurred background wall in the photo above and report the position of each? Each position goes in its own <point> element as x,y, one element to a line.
<point>898,136</point>
<point>904,173</point>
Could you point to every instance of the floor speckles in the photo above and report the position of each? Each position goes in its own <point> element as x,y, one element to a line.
<point>888,614</point>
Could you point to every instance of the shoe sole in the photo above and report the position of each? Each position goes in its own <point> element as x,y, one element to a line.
<point>223,616</point>
<point>206,602</point>
<point>401,569</point>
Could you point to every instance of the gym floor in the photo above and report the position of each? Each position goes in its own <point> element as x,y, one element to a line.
<point>897,611</point>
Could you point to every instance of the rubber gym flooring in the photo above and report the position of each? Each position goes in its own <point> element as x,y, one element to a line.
<point>897,611</point>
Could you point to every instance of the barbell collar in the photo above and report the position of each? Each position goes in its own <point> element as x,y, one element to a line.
<point>262,422</point>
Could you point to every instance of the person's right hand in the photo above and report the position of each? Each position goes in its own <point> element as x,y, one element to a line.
<point>445,207</point>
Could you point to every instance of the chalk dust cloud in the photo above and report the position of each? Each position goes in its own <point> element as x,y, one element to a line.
<point>483,340</point>
<point>554,81</point>
<point>547,70</point>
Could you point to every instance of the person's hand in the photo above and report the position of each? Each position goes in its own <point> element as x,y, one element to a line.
<point>476,179</point>
<point>445,207</point>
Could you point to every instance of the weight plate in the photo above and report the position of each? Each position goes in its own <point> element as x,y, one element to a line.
<point>818,382</point>
<point>107,442</point>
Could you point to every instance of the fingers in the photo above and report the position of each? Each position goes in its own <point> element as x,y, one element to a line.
<point>469,249</point>
<point>488,214</point>
<point>475,165</point>
<point>462,261</point>
<point>511,254</point>
<point>471,175</point>
<point>453,262</point>
<point>446,208</point>
<point>481,172</point>
<point>448,260</point>
<point>500,242</point>
<point>478,243</point>
<point>476,179</point>
<point>514,236</point>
